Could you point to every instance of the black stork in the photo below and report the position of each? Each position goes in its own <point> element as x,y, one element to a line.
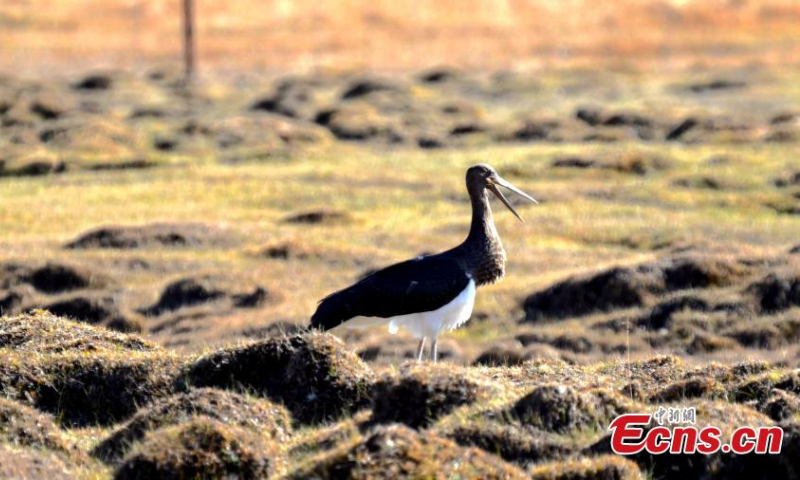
<point>429,294</point>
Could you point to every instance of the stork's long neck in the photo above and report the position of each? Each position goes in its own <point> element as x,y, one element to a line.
<point>483,249</point>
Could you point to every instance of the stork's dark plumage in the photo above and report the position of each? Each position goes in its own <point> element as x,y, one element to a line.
<point>431,294</point>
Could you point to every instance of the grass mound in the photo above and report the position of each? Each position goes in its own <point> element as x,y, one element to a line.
<point>620,288</point>
<point>520,444</point>
<point>52,371</point>
<point>51,278</point>
<point>395,451</point>
<point>56,278</point>
<point>22,425</point>
<point>169,235</point>
<point>758,388</point>
<point>310,442</point>
<point>609,290</point>
<point>314,217</point>
<point>775,293</point>
<point>22,463</point>
<point>96,310</point>
<point>497,356</point>
<point>608,467</point>
<point>86,390</point>
<point>228,407</point>
<point>422,393</point>
<point>201,448</point>
<point>684,273</point>
<point>42,332</point>
<point>193,291</point>
<point>561,408</point>
<point>690,388</point>
<point>313,374</point>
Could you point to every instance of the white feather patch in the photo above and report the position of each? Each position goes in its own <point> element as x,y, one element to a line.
<point>425,324</point>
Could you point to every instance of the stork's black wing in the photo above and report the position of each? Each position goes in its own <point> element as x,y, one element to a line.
<point>419,285</point>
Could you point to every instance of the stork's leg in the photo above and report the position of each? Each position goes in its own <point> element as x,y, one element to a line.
<point>420,349</point>
<point>434,352</point>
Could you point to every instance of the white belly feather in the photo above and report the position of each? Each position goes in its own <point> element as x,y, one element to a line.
<point>425,324</point>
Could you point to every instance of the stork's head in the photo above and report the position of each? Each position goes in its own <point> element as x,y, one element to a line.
<point>482,177</point>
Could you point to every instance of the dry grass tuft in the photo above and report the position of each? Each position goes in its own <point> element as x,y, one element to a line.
<point>313,374</point>
<point>419,394</point>
<point>200,448</point>
<point>395,451</point>
<point>257,414</point>
<point>49,368</point>
<point>41,332</point>
<point>516,443</point>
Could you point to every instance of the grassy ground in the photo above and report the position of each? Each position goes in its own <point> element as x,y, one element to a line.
<point>84,402</point>
<point>211,220</point>
<point>230,179</point>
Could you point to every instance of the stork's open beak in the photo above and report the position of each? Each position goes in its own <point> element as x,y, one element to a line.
<point>497,180</point>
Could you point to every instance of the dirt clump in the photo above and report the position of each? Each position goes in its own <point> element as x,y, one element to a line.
<point>280,328</point>
<point>780,405</point>
<point>775,293</point>
<point>626,287</point>
<point>32,167</point>
<point>313,374</point>
<point>119,376</point>
<point>200,448</point>
<point>573,162</point>
<point>315,217</point>
<point>499,355</point>
<point>231,408</point>
<point>716,85</point>
<point>169,235</point>
<point>770,332</point>
<point>54,278</point>
<point>94,82</point>
<point>46,109</point>
<point>10,302</point>
<point>87,390</point>
<point>360,122</point>
<point>560,408</point>
<point>521,444</point>
<point>758,388</point>
<point>93,310</point>
<point>677,132</point>
<point>395,451</point>
<point>661,314</point>
<point>420,394</point>
<point>440,75</point>
<point>685,273</point>
<point>291,99</point>
<point>364,86</point>
<point>788,180</point>
<point>609,290</point>
<point>194,291</point>
<point>686,389</point>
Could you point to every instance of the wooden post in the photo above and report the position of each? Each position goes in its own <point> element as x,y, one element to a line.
<point>188,39</point>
